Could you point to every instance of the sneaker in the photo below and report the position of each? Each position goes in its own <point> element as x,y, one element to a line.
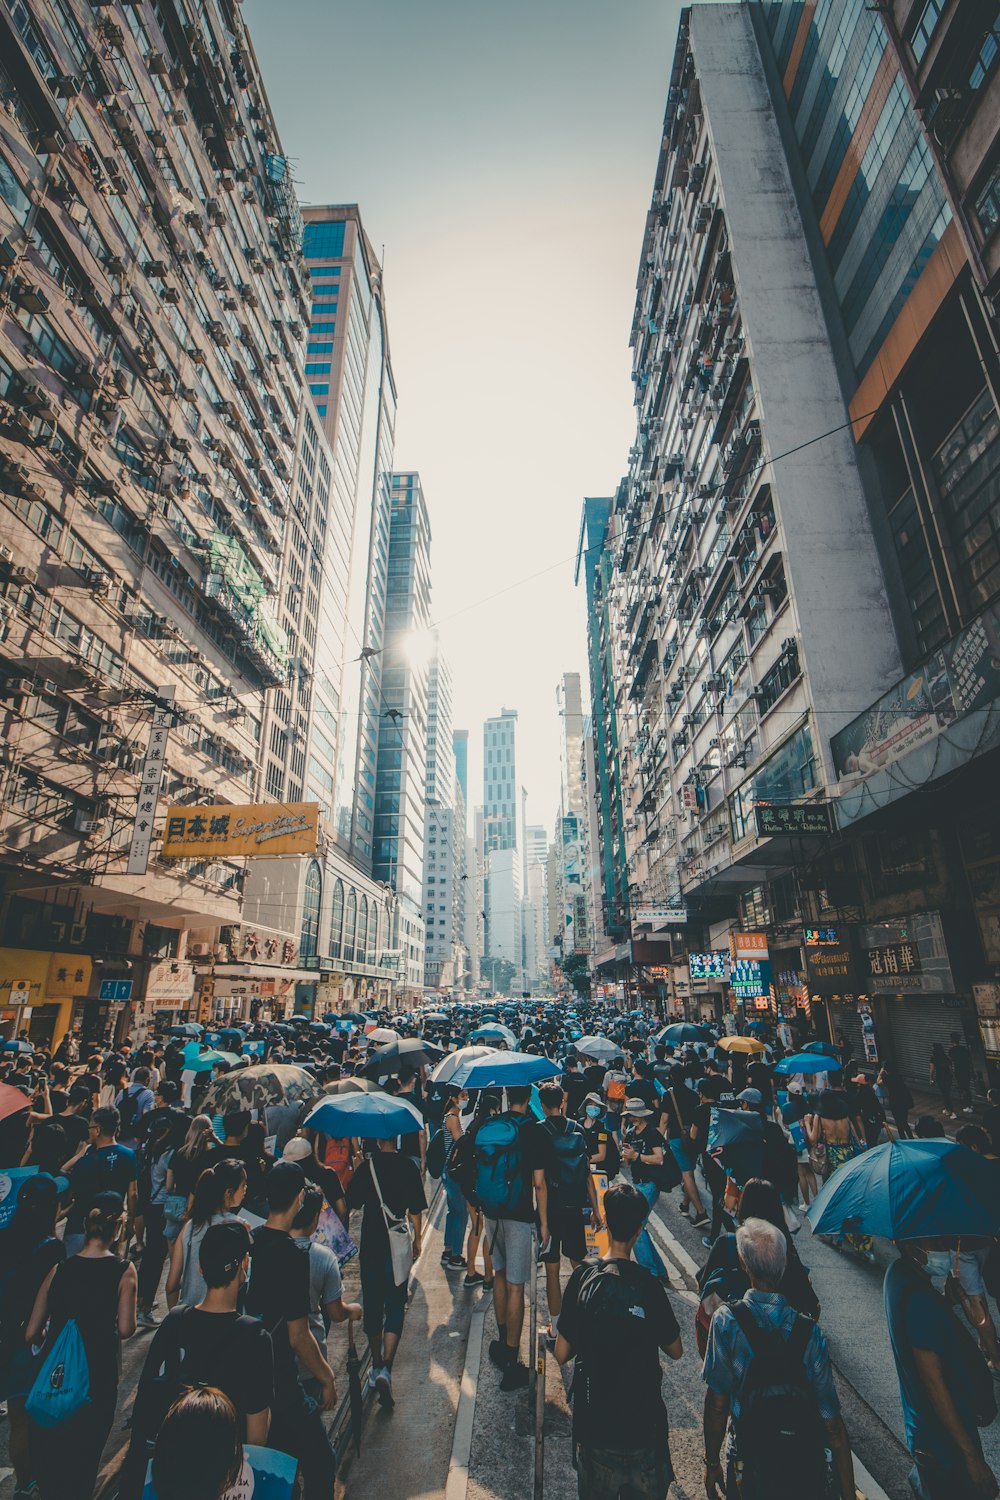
<point>445,1257</point>
<point>968,1110</point>
<point>707,1241</point>
<point>474,1279</point>
<point>498,1353</point>
<point>147,1320</point>
<point>454,1263</point>
<point>515,1377</point>
<point>682,1208</point>
<point>700,1222</point>
<point>952,1115</point>
<point>369,1387</point>
<point>488,1283</point>
<point>550,1337</point>
<point>383,1387</point>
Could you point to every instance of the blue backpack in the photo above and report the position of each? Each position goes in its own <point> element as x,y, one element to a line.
<point>62,1385</point>
<point>499,1157</point>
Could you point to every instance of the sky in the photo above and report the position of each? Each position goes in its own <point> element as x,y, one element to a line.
<point>502,157</point>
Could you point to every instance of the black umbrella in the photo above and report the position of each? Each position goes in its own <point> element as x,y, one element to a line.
<point>409,1051</point>
<point>354,1387</point>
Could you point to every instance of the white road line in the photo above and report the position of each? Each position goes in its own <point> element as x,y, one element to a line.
<point>457,1485</point>
<point>866,1483</point>
<point>673,1247</point>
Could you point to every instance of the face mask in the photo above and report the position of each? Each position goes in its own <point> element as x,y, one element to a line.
<point>592,1111</point>
<point>939,1262</point>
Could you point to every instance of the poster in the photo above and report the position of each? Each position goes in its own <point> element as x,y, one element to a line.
<point>12,1179</point>
<point>598,1243</point>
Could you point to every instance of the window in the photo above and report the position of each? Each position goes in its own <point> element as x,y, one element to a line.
<point>322,348</point>
<point>988,204</point>
<point>785,776</point>
<point>319,390</point>
<point>362,938</point>
<point>320,369</point>
<point>12,193</point>
<point>337,919</point>
<point>350,923</point>
<point>312,897</point>
<point>923,31</point>
<point>323,241</point>
<point>322,328</point>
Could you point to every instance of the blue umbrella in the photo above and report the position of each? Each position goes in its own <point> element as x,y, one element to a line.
<point>911,1190</point>
<point>493,1031</point>
<point>187,1028</point>
<point>808,1062</point>
<point>203,1062</point>
<point>827,1048</point>
<point>502,1069</point>
<point>684,1031</point>
<point>377,1117</point>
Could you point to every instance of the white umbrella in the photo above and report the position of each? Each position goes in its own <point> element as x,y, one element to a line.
<point>597,1047</point>
<point>449,1065</point>
<point>383,1034</point>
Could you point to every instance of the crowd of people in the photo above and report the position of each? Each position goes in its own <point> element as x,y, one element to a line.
<point>136,1204</point>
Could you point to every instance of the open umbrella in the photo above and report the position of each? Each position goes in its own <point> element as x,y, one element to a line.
<point>354,1391</point>
<point>377,1117</point>
<point>681,1031</point>
<point>205,1061</point>
<point>352,1086</point>
<point>827,1048</point>
<point>186,1028</point>
<point>493,1031</point>
<point>12,1100</point>
<point>17,1047</point>
<point>741,1044</point>
<point>434,1015</point>
<point>599,1048</point>
<point>261,1087</point>
<point>911,1190</point>
<point>449,1066</point>
<point>411,1051</point>
<point>382,1034</point>
<point>808,1062</point>
<point>503,1069</point>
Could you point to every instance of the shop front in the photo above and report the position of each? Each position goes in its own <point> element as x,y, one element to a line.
<point>38,992</point>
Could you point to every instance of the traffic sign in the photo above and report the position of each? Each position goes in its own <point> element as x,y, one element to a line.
<point>116,989</point>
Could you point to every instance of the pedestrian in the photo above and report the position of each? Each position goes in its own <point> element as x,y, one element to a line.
<point>210,1344</point>
<point>198,1453</point>
<point>326,1287</point>
<point>833,1141</point>
<point>218,1197</point>
<point>487,1106</point>
<point>677,1114</point>
<point>722,1276</point>
<point>644,1152</point>
<point>960,1059</point>
<point>616,1319</point>
<point>940,1074</point>
<point>991,1119</point>
<point>899,1098</point>
<point>191,1158</point>
<point>414,1143</point>
<point>866,1109</point>
<point>571,1192</point>
<point>453,1255</point>
<point>160,1132</point>
<point>96,1289</point>
<point>132,1103</point>
<point>943,1402</point>
<point>770,1385</point>
<point>28,1251</point>
<point>279,1296</point>
<point>388,1188</point>
<point>602,1138</point>
<point>325,1178</point>
<point>509,1152</point>
<point>104,1165</point>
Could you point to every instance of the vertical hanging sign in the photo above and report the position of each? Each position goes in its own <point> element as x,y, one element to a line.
<point>149,786</point>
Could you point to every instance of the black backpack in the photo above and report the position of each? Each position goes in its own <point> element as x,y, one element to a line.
<point>571,1168</point>
<point>437,1153</point>
<point>128,1110</point>
<point>780,1436</point>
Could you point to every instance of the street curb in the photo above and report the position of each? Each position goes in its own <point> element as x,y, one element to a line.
<point>457,1484</point>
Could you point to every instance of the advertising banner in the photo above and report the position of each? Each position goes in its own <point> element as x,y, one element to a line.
<point>908,957</point>
<point>751,945</point>
<point>709,966</point>
<point>224,831</point>
<point>830,964</point>
<point>793,819</point>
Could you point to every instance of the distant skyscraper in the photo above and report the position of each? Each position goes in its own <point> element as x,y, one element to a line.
<point>503,835</point>
<point>350,376</point>
<point>573,831</point>
<point>443,854</point>
<point>402,747</point>
<point>460,741</point>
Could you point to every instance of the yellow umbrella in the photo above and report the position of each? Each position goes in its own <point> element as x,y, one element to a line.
<point>741,1044</point>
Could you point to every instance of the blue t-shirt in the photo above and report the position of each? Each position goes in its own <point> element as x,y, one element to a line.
<point>106,1169</point>
<point>918,1317</point>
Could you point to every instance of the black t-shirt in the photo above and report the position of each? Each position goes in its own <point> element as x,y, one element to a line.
<point>617,1400</point>
<point>225,1350</point>
<point>77,1130</point>
<point>279,1295</point>
<point>760,1076</point>
<point>679,1106</point>
<point>402,1192</point>
<point>575,1086</point>
<point>646,1142</point>
<point>645,1090</point>
<point>188,1169</point>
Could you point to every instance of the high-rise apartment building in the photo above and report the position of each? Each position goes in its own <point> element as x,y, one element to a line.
<point>503,833</point>
<point>152,328</point>
<point>349,373</point>
<point>444,846</point>
<point>401,777</point>
<point>573,828</point>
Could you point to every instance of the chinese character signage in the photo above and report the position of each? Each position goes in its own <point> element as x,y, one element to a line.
<point>750,978</point>
<point>225,831</point>
<point>659,916</point>
<point>153,766</point>
<point>906,958</point>
<point>794,818</point>
<point>751,945</point>
<point>709,966</point>
<point>830,965</point>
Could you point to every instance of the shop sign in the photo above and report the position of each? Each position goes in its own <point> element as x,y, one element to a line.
<point>752,945</point>
<point>792,819</point>
<point>830,965</point>
<point>151,777</point>
<point>49,976</point>
<point>224,831</point>
<point>908,957</point>
<point>987,999</point>
<point>170,980</point>
<point>266,947</point>
<point>206,994</point>
<point>989,1030</point>
<point>662,916</point>
<point>750,979</point>
<point>69,975</point>
<point>709,966</point>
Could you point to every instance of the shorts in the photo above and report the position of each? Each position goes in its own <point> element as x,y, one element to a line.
<point>510,1247</point>
<point>682,1152</point>
<point>384,1302</point>
<point>569,1236</point>
<point>635,1473</point>
<point>970,1273</point>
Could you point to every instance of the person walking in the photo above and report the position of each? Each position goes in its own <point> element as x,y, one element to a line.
<point>770,1386</point>
<point>218,1197</point>
<point>644,1151</point>
<point>453,1255</point>
<point>677,1115</point>
<point>571,1192</point>
<point>103,1166</point>
<point>191,1159</point>
<point>96,1289</point>
<point>940,1075</point>
<point>326,1287</point>
<point>833,1141</point>
<point>960,1059</point>
<point>198,1453</point>
<point>899,1098</point>
<point>616,1320</point>
<point>941,1404</point>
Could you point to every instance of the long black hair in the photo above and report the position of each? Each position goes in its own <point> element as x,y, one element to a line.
<point>33,1219</point>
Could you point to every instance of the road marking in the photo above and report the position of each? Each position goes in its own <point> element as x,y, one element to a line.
<point>457,1485</point>
<point>867,1485</point>
<point>678,1260</point>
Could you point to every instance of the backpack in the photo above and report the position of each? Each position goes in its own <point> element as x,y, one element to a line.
<point>571,1167</point>
<point>616,1088</point>
<point>62,1385</point>
<point>499,1161</point>
<point>608,1307</point>
<point>780,1436</point>
<point>128,1111</point>
<point>437,1153</point>
<point>725,1283</point>
<point>462,1164</point>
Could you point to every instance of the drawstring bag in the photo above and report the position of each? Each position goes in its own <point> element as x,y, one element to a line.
<point>400,1232</point>
<point>62,1385</point>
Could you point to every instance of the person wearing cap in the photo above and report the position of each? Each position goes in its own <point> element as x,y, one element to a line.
<point>207,1345</point>
<point>279,1296</point>
<point>301,1150</point>
<point>601,1144</point>
<point>643,1151</point>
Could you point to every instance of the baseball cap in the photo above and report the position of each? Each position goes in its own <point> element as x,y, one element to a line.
<point>751,1096</point>
<point>795,1086</point>
<point>222,1251</point>
<point>638,1109</point>
<point>297,1149</point>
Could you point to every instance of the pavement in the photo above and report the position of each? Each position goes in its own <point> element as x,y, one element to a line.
<point>453,1435</point>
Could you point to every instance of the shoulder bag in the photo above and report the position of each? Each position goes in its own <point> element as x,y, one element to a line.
<point>400,1232</point>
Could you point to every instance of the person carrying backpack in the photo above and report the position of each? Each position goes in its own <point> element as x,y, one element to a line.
<point>768,1372</point>
<point>571,1191</point>
<point>509,1153</point>
<point>616,1318</point>
<point>132,1103</point>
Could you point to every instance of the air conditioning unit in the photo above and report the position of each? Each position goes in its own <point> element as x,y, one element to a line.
<point>22,574</point>
<point>199,950</point>
<point>84,823</point>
